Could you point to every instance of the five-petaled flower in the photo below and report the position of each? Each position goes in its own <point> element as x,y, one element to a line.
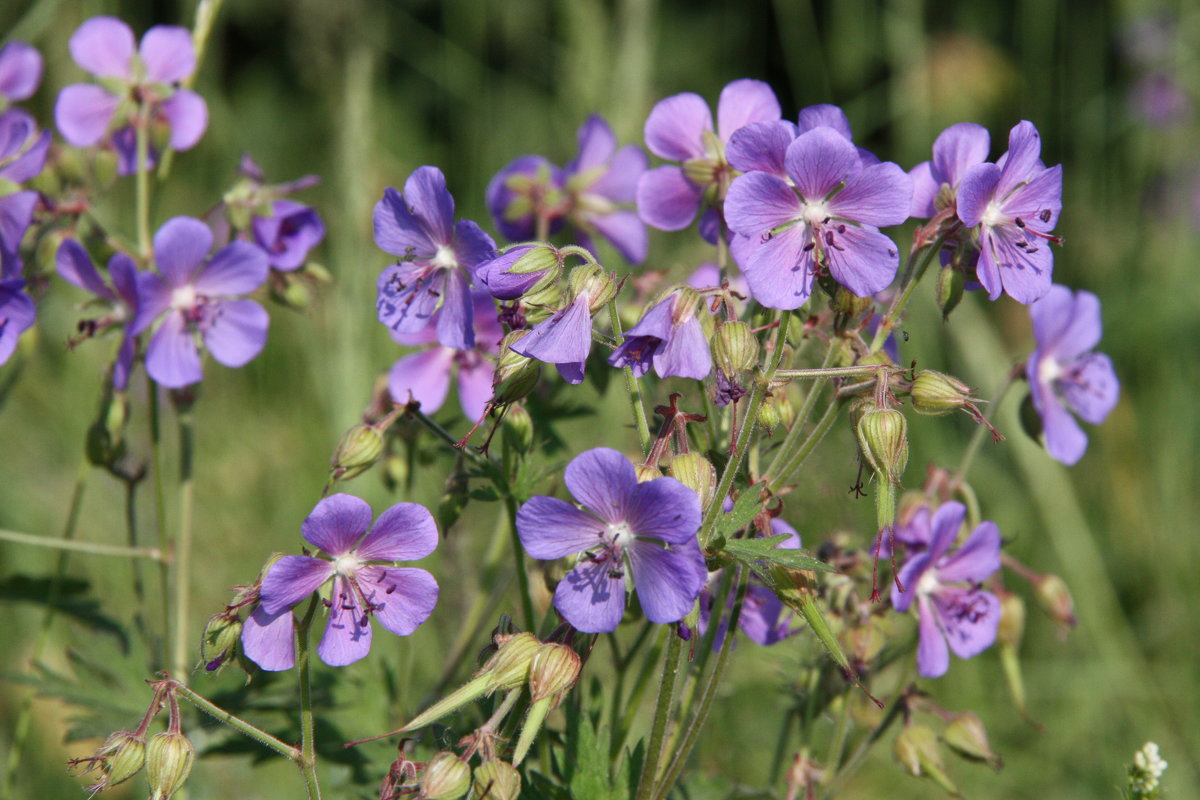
<point>22,156</point>
<point>195,296</point>
<point>364,584</point>
<point>955,151</point>
<point>1064,372</point>
<point>669,336</point>
<point>951,607</point>
<point>120,298</point>
<point>644,530</point>
<point>288,233</point>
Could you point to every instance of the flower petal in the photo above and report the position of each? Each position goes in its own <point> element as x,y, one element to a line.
<point>16,214</point>
<point>423,377</point>
<point>592,597</point>
<point>743,102</point>
<point>75,266</point>
<point>910,575</point>
<point>620,180</point>
<point>758,202</point>
<point>825,115</point>
<point>404,596</point>
<point>933,658</point>
<point>429,200</point>
<point>663,509</point>
<point>1092,389</point>
<point>685,354</point>
<point>290,580</point>
<point>1022,159</point>
<point>168,53</point>
<point>269,640</point>
<point>1065,440</point>
<point>180,246</point>
<point>20,70</point>
<point>472,246</point>
<point>237,268</point>
<point>666,200</point>
<point>673,129</point>
<point>975,192</point>
<point>604,481</point>
<point>564,338</point>
<point>1025,269</point>
<point>878,195</point>
<point>779,273</point>
<point>475,387</point>
<point>864,260</point>
<point>347,635</point>
<point>103,46</point>
<point>336,523</point>
<point>597,143</point>
<point>957,149</point>
<point>407,298</point>
<point>398,230</point>
<point>1037,202</point>
<point>969,618</point>
<point>234,331</point>
<point>18,312</point>
<point>83,112</point>
<point>761,146</point>
<point>925,191</point>
<point>154,300</point>
<point>817,161</point>
<point>404,532</point>
<point>977,559</point>
<point>1060,311</point>
<point>455,324</point>
<point>172,358</point>
<point>667,581</point>
<point>944,526</point>
<point>624,231</point>
<point>187,114</point>
<point>550,528</point>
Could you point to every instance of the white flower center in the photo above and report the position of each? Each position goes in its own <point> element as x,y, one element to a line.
<point>346,565</point>
<point>994,216</point>
<point>1048,371</point>
<point>619,535</point>
<point>444,258</point>
<point>183,297</point>
<point>816,213</point>
<point>929,582</point>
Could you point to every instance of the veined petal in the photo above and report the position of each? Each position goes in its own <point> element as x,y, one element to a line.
<point>933,658</point>
<point>269,639</point>
<point>347,635</point>
<point>957,149</point>
<point>817,161</point>
<point>780,272</point>
<point>237,268</point>
<point>910,574</point>
<point>977,559</point>
<point>825,115</point>
<point>404,532</point>
<point>604,481</point>
<point>758,202</point>
<point>743,102</point>
<point>619,182</point>
<point>1065,440</point>
<point>550,528</point>
<point>19,312</point>
<point>925,191</point>
<point>404,596</point>
<point>475,387</point>
<point>20,70</point>
<point>675,126</point>
<point>455,325</point>
<point>168,53</point>
<point>423,377</point>
<point>565,338</point>
<point>180,246</point>
<point>969,618</point>
<point>337,523</point>
<point>16,214</point>
<point>624,231</point>
<point>154,299</point>
<point>761,146</point>
<point>667,581</point>
<point>1022,159</point>
<point>863,260</point>
<point>430,201</point>
<point>399,231</point>
<point>944,526</point>
<point>234,331</point>
<point>657,322</point>
<point>1024,271</point>
<point>187,114</point>
<point>172,358</point>
<point>878,195</point>
<point>592,596</point>
<point>975,192</point>
<point>407,297</point>
<point>666,200</point>
<point>1066,324</point>
<point>83,112</point>
<point>75,266</point>
<point>663,509</point>
<point>103,46</point>
<point>1092,388</point>
<point>597,143</point>
<point>291,579</point>
<point>1037,202</point>
<point>124,275</point>
<point>685,354</point>
<point>472,246</point>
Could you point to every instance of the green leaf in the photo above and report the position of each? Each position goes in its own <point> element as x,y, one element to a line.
<point>69,598</point>
<point>588,759</point>
<point>747,505</point>
<point>749,551</point>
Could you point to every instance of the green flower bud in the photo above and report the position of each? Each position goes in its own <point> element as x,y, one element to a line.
<point>768,415</point>
<point>517,429</point>
<point>220,641</point>
<point>950,282</point>
<point>169,757</point>
<point>596,282</point>
<point>1012,619</point>
<point>127,756</point>
<point>553,671</point>
<point>446,777</point>
<point>700,171</point>
<point>106,435</point>
<point>497,780</point>
<point>1055,598</point>
<point>538,258</point>
<point>294,294</point>
<point>359,449</point>
<point>734,348</point>
<point>317,272</point>
<point>646,472</point>
<point>395,471</point>
<point>697,473</point>
<point>508,668</point>
<point>883,442</point>
<point>71,164</point>
<point>916,749</point>
<point>516,375</point>
<point>936,394</point>
<point>967,736</point>
<point>848,305</point>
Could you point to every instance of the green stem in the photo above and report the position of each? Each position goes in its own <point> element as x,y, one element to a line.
<point>206,15</point>
<point>662,713</point>
<point>824,424</point>
<point>749,424</point>
<point>510,504</point>
<point>94,548</point>
<point>631,384</point>
<point>831,372</point>
<point>634,701</point>
<point>181,595</point>
<point>909,282</point>
<point>239,724</point>
<point>838,745</point>
<point>794,436</point>
<point>142,182</point>
<point>160,511</point>
<point>308,746</point>
<point>981,430</point>
<point>855,760</point>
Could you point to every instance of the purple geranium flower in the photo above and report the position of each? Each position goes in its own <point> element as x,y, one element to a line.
<point>425,376</point>
<point>669,336</point>
<point>104,46</point>
<point>22,156</point>
<point>195,296</point>
<point>951,607</point>
<point>599,182</point>
<point>680,128</point>
<point>563,339</point>
<point>825,219</point>
<point>364,582</point>
<point>955,151</point>
<point>648,529</point>
<point>17,313</point>
<point>20,72</point>
<point>528,190</point>
<point>120,299</point>
<point>437,259</point>
<point>288,233</point>
<point>1015,204</point>
<point>1064,372</point>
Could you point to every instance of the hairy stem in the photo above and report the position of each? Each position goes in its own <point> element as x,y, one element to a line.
<point>631,384</point>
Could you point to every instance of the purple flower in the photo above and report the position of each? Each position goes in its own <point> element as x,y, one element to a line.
<point>288,233</point>
<point>437,259</point>
<point>951,607</point>
<point>955,151</point>
<point>526,190</point>
<point>825,219</point>
<point>497,277</point>
<point>564,339</point>
<point>22,156</point>
<point>1015,204</point>
<point>121,298</point>
<point>425,376</point>
<point>104,46</point>
<point>196,296</point>
<point>646,529</point>
<point>1064,372</point>
<point>364,582</point>
<point>680,128</point>
<point>670,338</point>
<point>20,71</point>
<point>17,313</point>
<point>599,182</point>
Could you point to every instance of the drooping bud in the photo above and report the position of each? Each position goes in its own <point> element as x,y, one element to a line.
<point>106,435</point>
<point>517,429</point>
<point>1012,619</point>
<point>883,442</point>
<point>359,449</point>
<point>697,473</point>
<point>936,394</point>
<point>848,305</point>
<point>220,641</point>
<point>496,780</point>
<point>647,472</point>
<point>768,414</point>
<point>508,668</point>
<point>515,375</point>
<point>1055,598</point>
<point>454,496</point>
<point>521,270</point>
<point>395,471</point>
<point>916,749</point>
<point>967,736</point>
<point>169,757</point>
<point>553,671</point>
<point>122,756</point>
<point>446,777</point>
<point>949,292</point>
<point>734,348</point>
<point>598,284</point>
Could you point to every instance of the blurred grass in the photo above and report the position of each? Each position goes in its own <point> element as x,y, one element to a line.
<point>363,91</point>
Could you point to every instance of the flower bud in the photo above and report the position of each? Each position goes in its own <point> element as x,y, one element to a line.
<point>646,472</point>
<point>847,304</point>
<point>916,749</point>
<point>515,375</point>
<point>695,472</point>
<point>359,449</point>
<point>122,756</point>
<point>508,668</point>
<point>169,757</point>
<point>596,282</point>
<point>446,777</point>
<point>517,429</point>
<point>497,780</point>
<point>966,736</point>
<point>950,282</point>
<point>106,435</point>
<point>220,640</point>
<point>553,671</point>
<point>883,442</point>
<point>936,394</point>
<point>395,471</point>
<point>1012,619</point>
<point>1055,599</point>
<point>734,347</point>
<point>294,294</point>
<point>768,415</point>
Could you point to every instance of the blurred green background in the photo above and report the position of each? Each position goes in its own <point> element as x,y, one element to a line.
<point>361,92</point>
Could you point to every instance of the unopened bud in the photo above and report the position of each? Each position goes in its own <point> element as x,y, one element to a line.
<point>967,736</point>
<point>496,780</point>
<point>220,641</point>
<point>106,435</point>
<point>950,282</point>
<point>647,472</point>
<point>847,304</point>
<point>1012,619</point>
<point>697,473</point>
<point>515,375</point>
<point>395,471</point>
<point>169,757</point>
<point>734,347</point>
<point>508,668</point>
<point>596,282</point>
<point>553,671</point>
<point>768,415</point>
<point>122,756</point>
<point>1055,599</point>
<point>454,498</point>
<point>916,749</point>
<point>936,394</point>
<point>883,442</point>
<point>517,429</point>
<point>294,294</point>
<point>359,449</point>
<point>446,777</point>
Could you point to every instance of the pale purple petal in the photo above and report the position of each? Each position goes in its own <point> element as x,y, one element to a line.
<point>667,581</point>
<point>597,143</point>
<point>187,114</point>
<point>944,527</point>
<point>83,112</point>
<point>154,299</point>
<point>1091,389</point>
<point>172,358</point>
<point>685,354</point>
<point>455,324</point>
<point>510,207</point>
<point>238,268</point>
<point>864,260</point>
<point>1025,272</point>
<point>1022,159</point>
<point>666,199</point>
<point>743,102</point>
<point>17,314</point>
<point>565,338</point>
<point>1037,202</point>
<point>103,46</point>
<point>975,192</point>
<point>976,560</point>
<point>20,70</point>
<point>288,233</point>
<point>269,639</point>
<point>472,245</point>
<point>234,331</point>
<point>29,164</point>
<point>604,481</point>
<point>969,618</point>
<point>423,377</point>
<point>780,271</point>
<point>761,147</point>
<point>124,275</point>
<point>657,322</point>
<point>1065,440</point>
<point>180,246</point>
<point>123,364</point>
<point>819,160</point>
<point>337,523</point>
<point>933,658</point>
<point>712,225</point>
<point>475,387</point>
<point>405,596</point>
<point>399,231</point>
<point>168,53</point>
<point>75,266</point>
<point>429,200</point>
<point>291,579</point>
<point>620,181</point>
<point>957,149</point>
<point>501,283</point>
<point>550,528</point>
<point>16,214</point>
<point>406,302</point>
<point>663,509</point>
<point>673,129</point>
<point>404,532</point>
<point>878,195</point>
<point>910,574</point>
<point>347,635</point>
<point>825,115</point>
<point>592,597</point>
<point>1060,310</point>
<point>925,191</point>
<point>624,231</point>
<point>758,202</point>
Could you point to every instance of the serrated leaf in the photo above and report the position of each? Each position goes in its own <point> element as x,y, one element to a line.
<point>588,759</point>
<point>68,596</point>
<point>747,505</point>
<point>764,549</point>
